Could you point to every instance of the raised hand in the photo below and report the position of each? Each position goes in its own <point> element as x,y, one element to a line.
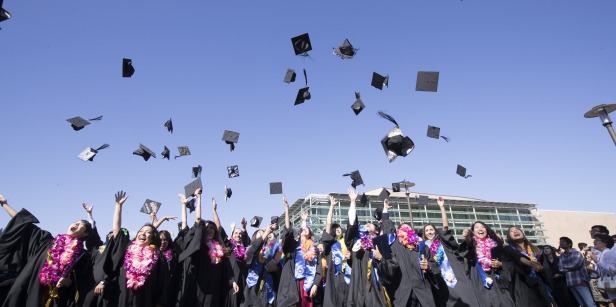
<point>332,201</point>
<point>183,199</point>
<point>386,204</point>
<point>120,197</point>
<point>352,194</point>
<point>243,222</point>
<point>440,201</point>
<point>2,200</point>
<point>284,201</point>
<point>232,227</point>
<point>304,215</point>
<point>88,207</point>
<point>465,232</point>
<point>198,192</point>
<point>214,206</point>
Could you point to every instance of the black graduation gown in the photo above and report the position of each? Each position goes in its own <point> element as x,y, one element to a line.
<point>558,284</point>
<point>525,290</point>
<point>288,291</point>
<point>239,269</point>
<point>409,289</point>
<point>256,296</point>
<point>463,293</point>
<point>336,289</point>
<point>498,295</point>
<point>23,248</point>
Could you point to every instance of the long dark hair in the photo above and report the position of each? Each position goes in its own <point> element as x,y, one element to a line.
<point>423,234</point>
<point>491,233</point>
<point>510,240</point>
<point>542,256</point>
<point>167,236</point>
<point>208,223</point>
<point>154,235</point>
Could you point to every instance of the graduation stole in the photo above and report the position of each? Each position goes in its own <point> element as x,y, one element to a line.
<point>266,254</point>
<point>338,257</point>
<point>530,255</point>
<point>436,249</point>
<point>305,263</point>
<point>62,256</point>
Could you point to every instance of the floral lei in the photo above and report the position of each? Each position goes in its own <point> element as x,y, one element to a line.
<point>60,257</point>
<point>214,251</point>
<point>407,237</point>
<point>168,255</point>
<point>483,249</point>
<point>308,250</point>
<point>366,242</point>
<point>239,250</point>
<point>437,251</point>
<point>265,251</point>
<point>138,262</point>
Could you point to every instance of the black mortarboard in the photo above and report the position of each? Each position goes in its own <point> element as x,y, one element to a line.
<point>228,193</point>
<point>166,153</point>
<point>4,15</point>
<point>233,171</point>
<point>384,244</point>
<point>145,152</point>
<point>423,199</point>
<point>358,105</point>
<point>384,194</point>
<point>127,68</point>
<point>196,171</point>
<point>395,143</point>
<point>231,137</point>
<point>274,219</point>
<point>89,153</point>
<point>303,94</point>
<point>301,44</point>
<point>461,170</point>
<point>169,125</point>
<point>356,177</point>
<point>435,133</point>
<point>345,50</point>
<point>189,190</point>
<point>364,199</point>
<point>190,204</point>
<point>79,123</point>
<point>378,81</point>
<point>256,221</point>
<point>290,76</point>
<point>427,81</point>
<point>184,151</point>
<point>395,187</point>
<point>378,213</point>
<point>275,187</point>
<point>150,206</point>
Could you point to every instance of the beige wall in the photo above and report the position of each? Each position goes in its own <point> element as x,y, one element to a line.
<point>573,224</point>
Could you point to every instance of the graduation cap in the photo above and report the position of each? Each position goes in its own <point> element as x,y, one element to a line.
<point>274,219</point>
<point>79,123</point>
<point>145,152</point>
<point>233,171</point>
<point>196,171</point>
<point>166,153</point>
<point>384,242</point>
<point>301,44</point>
<point>435,133</point>
<point>127,68</point>
<point>345,50</point>
<point>275,187</point>
<point>461,170</point>
<point>150,206</point>
<point>427,81</point>
<point>89,153</point>
<point>4,14</point>
<point>364,199</point>
<point>395,143</point>
<point>190,205</point>
<point>378,81</point>
<point>189,189</point>
<point>303,94</point>
<point>423,199</point>
<point>228,193</point>
<point>290,76</point>
<point>256,221</point>
<point>384,194</point>
<point>358,105</point>
<point>395,187</point>
<point>169,125</point>
<point>378,213</point>
<point>184,151</point>
<point>356,177</point>
<point>230,137</point>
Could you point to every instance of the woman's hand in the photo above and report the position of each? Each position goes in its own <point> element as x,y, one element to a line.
<point>352,194</point>
<point>376,253</point>
<point>440,201</point>
<point>536,266</point>
<point>183,199</point>
<point>243,222</point>
<point>214,206</point>
<point>64,282</point>
<point>284,201</point>
<point>332,201</point>
<point>88,208</point>
<point>497,264</point>
<point>465,232</point>
<point>100,288</point>
<point>313,291</point>
<point>236,288</point>
<point>423,264</point>
<point>2,200</point>
<point>386,204</point>
<point>198,192</point>
<point>304,215</point>
<point>120,198</point>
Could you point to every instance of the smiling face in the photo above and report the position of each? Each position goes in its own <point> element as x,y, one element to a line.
<point>210,230</point>
<point>480,231</point>
<point>305,234</point>
<point>429,232</point>
<point>144,236</point>
<point>237,235</point>
<point>338,231</point>
<point>320,247</point>
<point>78,230</point>
<point>370,227</point>
<point>164,244</point>
<point>515,234</point>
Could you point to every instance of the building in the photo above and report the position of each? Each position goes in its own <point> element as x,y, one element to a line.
<point>573,224</point>
<point>461,212</point>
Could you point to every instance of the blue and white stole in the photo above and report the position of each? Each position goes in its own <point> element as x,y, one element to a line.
<point>305,270</point>
<point>337,257</point>
<point>255,271</point>
<point>533,274</point>
<point>443,262</point>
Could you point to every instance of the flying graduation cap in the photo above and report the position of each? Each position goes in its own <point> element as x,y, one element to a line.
<point>189,189</point>
<point>183,150</point>
<point>345,51</point>
<point>364,199</point>
<point>169,125</point>
<point>166,153</point>
<point>303,94</point>
<point>378,81</point>
<point>427,81</point>
<point>356,178</point>
<point>290,76</point>
<point>461,170</point>
<point>301,44</point>
<point>395,143</point>
<point>150,206</point>
<point>231,137</point>
<point>196,171</point>
<point>79,123</point>
<point>144,152</point>
<point>4,14</point>
<point>228,193</point>
<point>89,153</point>
<point>358,105</point>
<point>127,68</point>
<point>256,221</point>
<point>435,133</point>
<point>275,188</point>
<point>233,171</point>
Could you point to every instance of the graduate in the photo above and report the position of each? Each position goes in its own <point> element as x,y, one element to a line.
<point>235,250</point>
<point>262,259</point>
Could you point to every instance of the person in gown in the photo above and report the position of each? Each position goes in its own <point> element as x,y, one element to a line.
<point>262,258</point>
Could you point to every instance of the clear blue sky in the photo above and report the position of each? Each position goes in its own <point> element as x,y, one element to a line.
<point>516,78</point>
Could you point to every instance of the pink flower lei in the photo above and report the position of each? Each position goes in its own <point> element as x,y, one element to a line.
<point>366,242</point>
<point>308,250</point>
<point>60,258</point>
<point>436,243</point>
<point>168,254</point>
<point>483,249</point>
<point>238,250</point>
<point>214,251</point>
<point>138,262</point>
<point>407,237</point>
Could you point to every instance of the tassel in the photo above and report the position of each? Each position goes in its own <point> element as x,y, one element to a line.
<point>102,147</point>
<point>388,117</point>
<point>96,118</point>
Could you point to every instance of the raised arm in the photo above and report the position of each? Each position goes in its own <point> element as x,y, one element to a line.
<point>198,206</point>
<point>89,209</point>
<point>287,222</point>
<point>120,198</point>
<point>184,202</point>
<point>6,206</point>
<point>162,220</point>
<point>330,214</point>
<point>352,209</point>
<point>441,203</point>
<point>215,214</point>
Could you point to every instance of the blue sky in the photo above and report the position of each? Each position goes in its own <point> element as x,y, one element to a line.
<point>516,78</point>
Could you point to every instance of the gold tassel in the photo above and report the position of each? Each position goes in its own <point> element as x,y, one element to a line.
<point>387,299</point>
<point>369,275</point>
<point>53,294</point>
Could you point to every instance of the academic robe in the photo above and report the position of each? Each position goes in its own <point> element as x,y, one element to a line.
<point>256,296</point>
<point>23,249</point>
<point>558,284</point>
<point>526,290</point>
<point>239,269</point>
<point>176,278</point>
<point>336,288</point>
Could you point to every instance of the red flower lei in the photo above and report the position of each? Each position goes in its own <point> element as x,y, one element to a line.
<point>483,249</point>
<point>308,250</point>
<point>60,257</point>
<point>407,237</point>
<point>214,251</point>
<point>138,262</point>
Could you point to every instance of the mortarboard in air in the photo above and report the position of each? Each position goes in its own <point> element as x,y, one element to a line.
<point>345,51</point>
<point>395,187</point>
<point>4,14</point>
<point>184,151</point>
<point>89,153</point>
<point>427,81</point>
<point>127,68</point>
<point>231,137</point>
<point>435,133</point>
<point>256,221</point>
<point>358,105</point>
<point>166,153</point>
<point>461,170</point>
<point>196,171</point>
<point>423,199</point>
<point>378,81</point>
<point>150,206</point>
<point>274,219</point>
<point>303,94</point>
<point>275,187</point>
<point>228,193</point>
<point>395,143</point>
<point>169,125</point>
<point>189,189</point>
<point>233,171</point>
<point>79,123</point>
<point>290,76</point>
<point>144,152</point>
<point>356,177</point>
<point>301,44</point>
<point>364,199</point>
<point>190,205</point>
<point>384,194</point>
<point>378,213</point>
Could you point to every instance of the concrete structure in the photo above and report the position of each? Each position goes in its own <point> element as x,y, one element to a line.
<point>573,224</point>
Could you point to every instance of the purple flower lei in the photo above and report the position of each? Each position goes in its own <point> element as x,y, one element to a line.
<point>60,257</point>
